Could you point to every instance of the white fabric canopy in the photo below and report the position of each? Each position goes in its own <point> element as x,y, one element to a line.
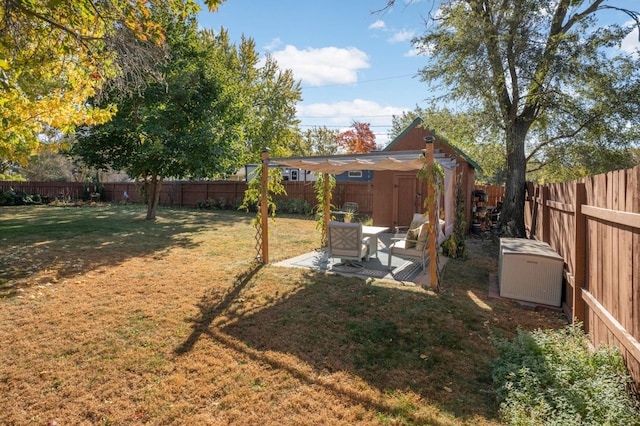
<point>336,164</point>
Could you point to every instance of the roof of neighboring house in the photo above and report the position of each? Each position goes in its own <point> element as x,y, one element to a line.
<point>419,122</point>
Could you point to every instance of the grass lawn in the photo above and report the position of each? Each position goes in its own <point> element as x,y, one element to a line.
<point>106,318</point>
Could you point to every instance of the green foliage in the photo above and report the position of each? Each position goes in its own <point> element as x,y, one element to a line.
<point>12,198</point>
<point>434,177</point>
<point>219,204</point>
<point>295,206</point>
<point>454,246</point>
<point>215,97</point>
<point>317,141</point>
<point>552,377</point>
<point>253,194</point>
<point>318,186</point>
<point>470,131</point>
<point>56,55</point>
<point>542,72</point>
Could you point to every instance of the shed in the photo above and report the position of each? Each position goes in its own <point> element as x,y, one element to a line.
<point>397,195</point>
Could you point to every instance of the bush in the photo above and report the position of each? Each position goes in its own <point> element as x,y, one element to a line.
<point>553,377</point>
<point>8,198</point>
<point>12,198</point>
<point>296,206</point>
<point>219,204</point>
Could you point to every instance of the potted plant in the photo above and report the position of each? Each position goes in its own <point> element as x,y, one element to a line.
<point>348,215</point>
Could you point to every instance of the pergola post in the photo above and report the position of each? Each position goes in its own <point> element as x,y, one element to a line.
<point>264,206</point>
<point>327,208</point>
<point>433,219</point>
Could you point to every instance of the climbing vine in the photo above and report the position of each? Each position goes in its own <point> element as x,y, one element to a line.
<point>433,174</point>
<point>253,197</point>
<point>454,246</point>
<point>318,186</point>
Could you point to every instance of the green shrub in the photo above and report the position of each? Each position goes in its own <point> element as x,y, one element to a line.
<point>8,198</point>
<point>11,198</point>
<point>553,377</point>
<point>295,206</point>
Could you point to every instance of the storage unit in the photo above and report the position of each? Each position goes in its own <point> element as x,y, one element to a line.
<point>530,271</point>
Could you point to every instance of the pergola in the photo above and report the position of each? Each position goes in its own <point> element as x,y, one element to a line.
<point>383,160</point>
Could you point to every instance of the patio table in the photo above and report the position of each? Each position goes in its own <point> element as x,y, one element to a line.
<point>373,232</point>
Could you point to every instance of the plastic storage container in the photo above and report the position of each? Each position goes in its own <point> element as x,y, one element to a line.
<point>530,271</point>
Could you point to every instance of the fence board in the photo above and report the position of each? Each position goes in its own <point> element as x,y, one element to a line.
<point>633,205</point>
<point>602,254</point>
<point>612,202</point>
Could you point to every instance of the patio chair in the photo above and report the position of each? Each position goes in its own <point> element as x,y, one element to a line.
<point>415,243</point>
<point>346,242</point>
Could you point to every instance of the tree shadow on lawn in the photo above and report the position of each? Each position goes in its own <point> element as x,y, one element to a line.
<point>395,338</point>
<point>65,242</point>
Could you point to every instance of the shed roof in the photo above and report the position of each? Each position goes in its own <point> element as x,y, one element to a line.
<point>420,122</point>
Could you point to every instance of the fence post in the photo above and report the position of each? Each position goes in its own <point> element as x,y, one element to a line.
<point>546,220</point>
<point>580,262</point>
<point>433,217</point>
<point>264,206</point>
<point>327,210</point>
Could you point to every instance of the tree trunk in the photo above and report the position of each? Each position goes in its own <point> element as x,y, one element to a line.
<point>512,215</point>
<point>153,196</point>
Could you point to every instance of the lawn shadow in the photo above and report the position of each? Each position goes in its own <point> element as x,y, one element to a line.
<point>212,305</point>
<point>395,338</point>
<point>62,242</point>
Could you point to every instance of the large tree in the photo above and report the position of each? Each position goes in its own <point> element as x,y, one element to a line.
<point>199,123</point>
<point>55,55</point>
<point>545,72</point>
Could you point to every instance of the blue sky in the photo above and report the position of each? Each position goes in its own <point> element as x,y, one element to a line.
<point>354,65</point>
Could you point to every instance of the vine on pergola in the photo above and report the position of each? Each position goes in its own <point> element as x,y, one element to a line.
<point>253,199</point>
<point>323,201</point>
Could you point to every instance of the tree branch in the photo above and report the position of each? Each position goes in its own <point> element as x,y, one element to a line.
<point>558,137</point>
<point>53,23</point>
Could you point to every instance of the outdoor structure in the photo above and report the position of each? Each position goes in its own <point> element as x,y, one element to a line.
<point>399,194</point>
<point>405,162</point>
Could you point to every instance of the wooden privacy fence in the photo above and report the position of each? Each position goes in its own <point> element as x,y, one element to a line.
<point>188,194</point>
<point>594,224</point>
<point>50,190</point>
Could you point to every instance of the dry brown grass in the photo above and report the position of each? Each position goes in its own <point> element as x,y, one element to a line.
<point>108,319</point>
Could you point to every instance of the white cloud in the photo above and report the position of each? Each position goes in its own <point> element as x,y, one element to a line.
<point>401,36</point>
<point>273,44</point>
<point>412,53</point>
<point>327,65</point>
<point>378,25</point>
<point>630,44</point>
<point>344,113</point>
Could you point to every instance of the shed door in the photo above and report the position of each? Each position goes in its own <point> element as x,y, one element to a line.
<point>406,198</point>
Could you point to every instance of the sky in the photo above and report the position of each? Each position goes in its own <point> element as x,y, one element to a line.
<point>353,64</point>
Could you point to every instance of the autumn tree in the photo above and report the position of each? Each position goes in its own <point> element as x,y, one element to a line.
<point>55,55</point>
<point>357,140</point>
<point>544,72</point>
<point>201,121</point>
